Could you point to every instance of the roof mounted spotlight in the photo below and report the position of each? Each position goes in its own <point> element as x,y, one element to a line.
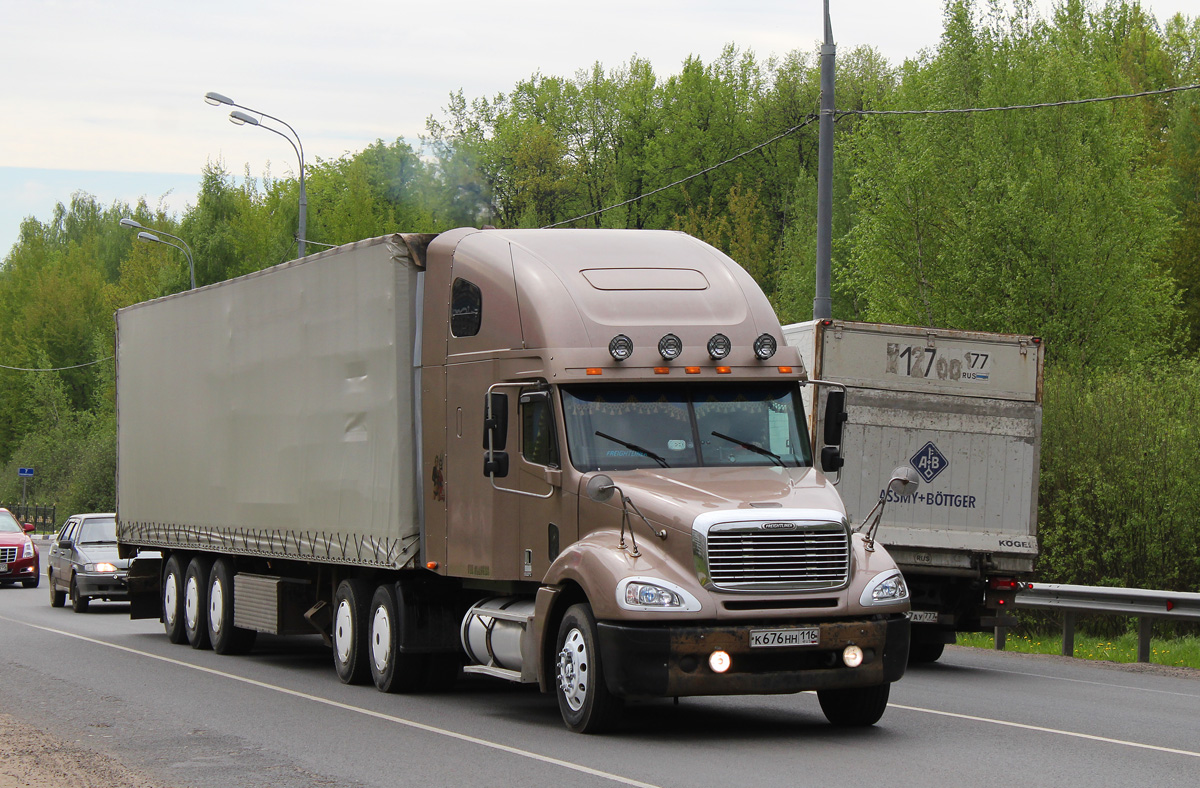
<point>719,347</point>
<point>670,346</point>
<point>621,347</point>
<point>765,347</point>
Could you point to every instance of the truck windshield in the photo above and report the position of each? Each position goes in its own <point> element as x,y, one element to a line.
<point>613,427</point>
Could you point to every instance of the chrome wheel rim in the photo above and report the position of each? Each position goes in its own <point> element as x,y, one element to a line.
<point>574,665</point>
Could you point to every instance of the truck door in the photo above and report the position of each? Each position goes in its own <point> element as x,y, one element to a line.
<point>546,525</point>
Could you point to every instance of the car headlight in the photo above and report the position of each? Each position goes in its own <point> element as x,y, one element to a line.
<point>101,567</point>
<point>645,593</point>
<point>886,588</point>
<point>28,551</point>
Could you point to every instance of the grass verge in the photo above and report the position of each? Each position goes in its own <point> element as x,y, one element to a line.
<point>1180,652</point>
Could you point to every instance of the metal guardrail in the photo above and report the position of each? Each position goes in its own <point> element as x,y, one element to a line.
<point>1145,604</point>
<point>41,516</point>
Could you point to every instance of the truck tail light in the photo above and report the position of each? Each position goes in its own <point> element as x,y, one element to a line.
<point>1003,584</point>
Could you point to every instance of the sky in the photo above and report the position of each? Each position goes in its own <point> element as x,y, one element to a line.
<point>106,96</point>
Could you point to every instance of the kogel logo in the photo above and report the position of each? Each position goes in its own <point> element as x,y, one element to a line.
<point>929,462</point>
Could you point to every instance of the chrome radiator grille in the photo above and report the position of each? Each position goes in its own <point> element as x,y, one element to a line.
<point>778,556</point>
<point>8,555</point>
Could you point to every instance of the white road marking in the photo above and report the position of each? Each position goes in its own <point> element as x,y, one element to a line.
<point>1041,729</point>
<point>347,707</point>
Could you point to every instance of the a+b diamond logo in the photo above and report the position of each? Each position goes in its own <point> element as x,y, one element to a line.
<point>929,462</point>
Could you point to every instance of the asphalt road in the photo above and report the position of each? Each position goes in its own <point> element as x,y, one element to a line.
<point>279,717</point>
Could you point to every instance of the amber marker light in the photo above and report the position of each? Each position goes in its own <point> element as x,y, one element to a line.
<point>724,370</point>
<point>785,370</point>
<point>595,371</point>
<point>662,370</point>
<point>692,370</point>
<point>431,565</point>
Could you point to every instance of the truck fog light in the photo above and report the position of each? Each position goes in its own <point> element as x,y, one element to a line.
<point>719,661</point>
<point>670,346</point>
<point>852,656</point>
<point>719,347</point>
<point>765,347</point>
<point>621,347</point>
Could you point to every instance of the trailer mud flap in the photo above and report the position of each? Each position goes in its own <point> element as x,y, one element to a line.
<point>145,588</point>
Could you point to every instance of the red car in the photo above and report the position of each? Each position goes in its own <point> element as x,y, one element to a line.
<point>18,553</point>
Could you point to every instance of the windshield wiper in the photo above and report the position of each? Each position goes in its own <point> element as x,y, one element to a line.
<point>635,447</point>
<point>753,447</point>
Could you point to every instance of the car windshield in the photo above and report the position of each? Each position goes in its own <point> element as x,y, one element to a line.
<point>98,532</point>
<point>9,524</point>
<point>612,427</point>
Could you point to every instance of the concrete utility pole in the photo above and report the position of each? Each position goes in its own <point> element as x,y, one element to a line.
<point>822,303</point>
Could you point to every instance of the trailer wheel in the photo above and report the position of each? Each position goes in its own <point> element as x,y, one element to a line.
<point>79,603</point>
<point>350,631</point>
<point>391,670</point>
<point>57,598</point>
<point>195,602</point>
<point>224,636</point>
<point>586,704</point>
<point>172,599</point>
<point>855,707</point>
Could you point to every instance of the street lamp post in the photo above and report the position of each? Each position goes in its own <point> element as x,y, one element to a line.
<point>147,235</point>
<point>243,119</point>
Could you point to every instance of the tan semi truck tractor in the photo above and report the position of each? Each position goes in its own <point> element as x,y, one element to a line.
<point>576,458</point>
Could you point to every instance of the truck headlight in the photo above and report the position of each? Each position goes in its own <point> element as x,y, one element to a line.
<point>649,593</point>
<point>886,588</point>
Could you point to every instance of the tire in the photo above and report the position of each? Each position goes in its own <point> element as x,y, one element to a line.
<point>924,651</point>
<point>222,634</point>
<point>584,700</point>
<point>857,707</point>
<point>350,627</point>
<point>57,598</point>
<point>79,603</point>
<point>172,599</point>
<point>195,602</point>
<point>391,670</point>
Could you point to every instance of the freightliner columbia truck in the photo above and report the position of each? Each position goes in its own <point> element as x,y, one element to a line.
<point>964,410</point>
<point>575,458</point>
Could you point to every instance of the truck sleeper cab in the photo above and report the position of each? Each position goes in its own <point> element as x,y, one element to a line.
<point>570,457</point>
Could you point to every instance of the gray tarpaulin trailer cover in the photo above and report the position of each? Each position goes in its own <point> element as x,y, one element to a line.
<point>278,416</point>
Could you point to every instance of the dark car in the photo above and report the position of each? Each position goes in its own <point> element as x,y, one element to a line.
<point>18,553</point>
<point>84,564</point>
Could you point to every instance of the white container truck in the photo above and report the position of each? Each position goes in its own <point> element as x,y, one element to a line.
<point>576,458</point>
<point>964,409</point>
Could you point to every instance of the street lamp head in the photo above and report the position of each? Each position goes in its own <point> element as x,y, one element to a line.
<point>239,118</point>
<point>216,99</point>
<point>127,222</point>
<point>149,237</point>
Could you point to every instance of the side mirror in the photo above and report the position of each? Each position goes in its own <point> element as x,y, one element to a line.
<point>832,459</point>
<point>835,417</point>
<point>65,544</point>
<point>29,527</point>
<point>904,481</point>
<point>495,464</point>
<point>600,488</point>
<point>495,421</point>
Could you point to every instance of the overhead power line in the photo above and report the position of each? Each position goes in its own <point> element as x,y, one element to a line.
<point>730,160</point>
<point>58,369</point>
<point>1015,106</point>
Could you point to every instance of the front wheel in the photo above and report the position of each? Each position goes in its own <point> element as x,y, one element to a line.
<point>856,707</point>
<point>79,603</point>
<point>584,700</point>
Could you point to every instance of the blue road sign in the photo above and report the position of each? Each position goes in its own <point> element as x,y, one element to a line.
<point>25,472</point>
